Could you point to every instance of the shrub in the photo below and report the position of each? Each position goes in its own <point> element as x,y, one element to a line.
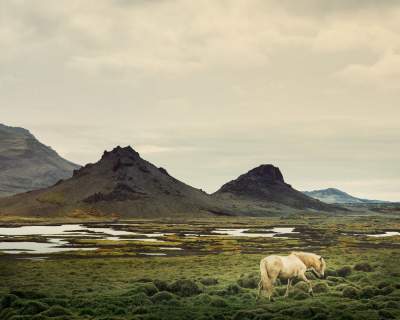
<point>7,313</point>
<point>330,272</point>
<point>33,307</point>
<point>161,285</point>
<point>28,294</point>
<point>344,315</point>
<point>140,299</point>
<point>341,286</point>
<point>8,300</point>
<point>299,295</point>
<point>334,279</point>
<point>247,296</point>
<point>218,302</point>
<point>363,266</point>
<point>368,292</point>
<point>383,284</point>
<point>280,291</point>
<point>162,296</point>
<point>344,271</point>
<point>144,280</point>
<point>87,312</point>
<point>386,314</point>
<point>392,305</point>
<point>184,288</point>
<point>232,289</point>
<point>149,289</point>
<point>249,281</point>
<point>244,315</point>
<point>55,301</point>
<point>298,312</point>
<point>203,298</point>
<point>209,281</point>
<point>320,287</point>
<point>321,311</point>
<point>56,311</point>
<point>350,292</point>
<point>386,290</point>
<point>140,310</point>
<point>302,286</point>
<point>320,316</point>
<point>264,316</point>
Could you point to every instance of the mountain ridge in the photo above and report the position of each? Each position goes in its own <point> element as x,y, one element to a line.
<point>27,164</point>
<point>334,195</point>
<point>123,184</point>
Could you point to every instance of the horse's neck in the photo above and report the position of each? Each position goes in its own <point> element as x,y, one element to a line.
<point>305,258</point>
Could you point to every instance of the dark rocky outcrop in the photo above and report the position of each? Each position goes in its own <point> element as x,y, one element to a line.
<point>265,185</point>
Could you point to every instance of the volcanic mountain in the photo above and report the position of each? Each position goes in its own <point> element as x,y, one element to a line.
<point>122,183</point>
<point>265,187</point>
<point>26,164</point>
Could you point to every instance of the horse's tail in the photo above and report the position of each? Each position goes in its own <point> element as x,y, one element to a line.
<point>265,282</point>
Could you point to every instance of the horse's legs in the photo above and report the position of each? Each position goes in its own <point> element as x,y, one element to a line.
<point>310,290</point>
<point>260,287</point>
<point>270,289</point>
<point>287,288</point>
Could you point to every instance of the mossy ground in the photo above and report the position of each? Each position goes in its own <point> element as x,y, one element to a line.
<point>213,278</point>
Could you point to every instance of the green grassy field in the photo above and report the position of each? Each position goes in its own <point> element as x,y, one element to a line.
<point>213,277</point>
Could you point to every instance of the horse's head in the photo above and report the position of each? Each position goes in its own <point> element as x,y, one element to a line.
<point>319,267</point>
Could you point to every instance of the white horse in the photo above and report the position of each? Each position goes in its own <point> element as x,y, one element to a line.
<point>289,267</point>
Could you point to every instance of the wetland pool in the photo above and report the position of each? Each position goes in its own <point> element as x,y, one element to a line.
<point>63,238</point>
<point>145,239</point>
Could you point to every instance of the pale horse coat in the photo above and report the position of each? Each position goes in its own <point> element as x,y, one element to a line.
<point>288,267</point>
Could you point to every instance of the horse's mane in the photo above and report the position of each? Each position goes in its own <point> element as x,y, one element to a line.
<point>309,259</point>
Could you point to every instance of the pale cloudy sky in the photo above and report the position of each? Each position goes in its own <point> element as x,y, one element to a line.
<point>210,89</point>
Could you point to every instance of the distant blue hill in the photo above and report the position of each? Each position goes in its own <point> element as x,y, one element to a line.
<point>332,195</point>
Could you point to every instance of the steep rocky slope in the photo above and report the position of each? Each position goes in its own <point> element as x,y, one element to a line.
<point>26,164</point>
<point>121,183</point>
<point>265,186</point>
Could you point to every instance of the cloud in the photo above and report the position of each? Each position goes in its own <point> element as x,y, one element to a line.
<point>383,74</point>
<point>215,85</point>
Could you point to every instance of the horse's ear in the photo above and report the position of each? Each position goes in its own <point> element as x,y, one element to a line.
<point>320,258</point>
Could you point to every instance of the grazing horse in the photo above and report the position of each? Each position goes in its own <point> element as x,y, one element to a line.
<point>289,267</point>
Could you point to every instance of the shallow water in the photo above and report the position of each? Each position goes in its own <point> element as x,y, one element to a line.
<point>386,234</point>
<point>57,236</point>
<point>60,244</point>
<point>267,233</point>
<point>52,246</point>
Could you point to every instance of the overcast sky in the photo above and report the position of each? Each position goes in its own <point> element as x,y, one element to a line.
<point>210,89</point>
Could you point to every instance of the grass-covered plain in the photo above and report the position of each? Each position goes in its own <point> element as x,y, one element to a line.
<point>213,277</point>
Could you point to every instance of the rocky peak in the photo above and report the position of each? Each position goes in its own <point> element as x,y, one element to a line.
<point>118,158</point>
<point>265,173</point>
<point>119,153</point>
<point>256,181</point>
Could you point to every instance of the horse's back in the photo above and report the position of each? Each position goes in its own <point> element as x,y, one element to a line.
<point>283,266</point>
<point>274,265</point>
